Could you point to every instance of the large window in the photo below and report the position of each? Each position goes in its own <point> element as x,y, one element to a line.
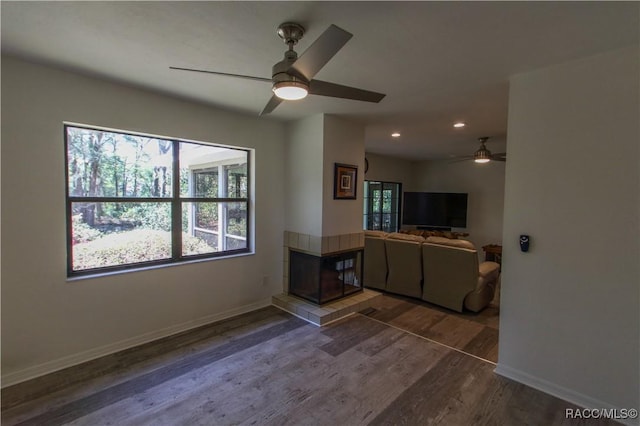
<point>382,205</point>
<point>134,200</point>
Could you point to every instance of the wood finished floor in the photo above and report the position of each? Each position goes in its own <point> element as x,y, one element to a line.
<point>475,334</point>
<point>270,368</point>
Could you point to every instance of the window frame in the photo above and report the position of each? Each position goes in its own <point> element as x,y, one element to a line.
<point>176,201</point>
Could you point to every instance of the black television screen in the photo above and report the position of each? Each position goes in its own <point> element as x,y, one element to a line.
<point>437,209</point>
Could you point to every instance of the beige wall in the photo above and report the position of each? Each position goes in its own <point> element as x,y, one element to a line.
<point>485,185</point>
<point>343,143</point>
<point>570,316</point>
<point>304,174</point>
<point>49,322</point>
<point>483,182</point>
<point>390,169</point>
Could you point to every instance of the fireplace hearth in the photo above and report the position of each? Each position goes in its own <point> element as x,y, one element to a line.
<point>322,279</point>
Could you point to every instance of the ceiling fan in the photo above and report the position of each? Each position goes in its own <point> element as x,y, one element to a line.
<point>483,155</point>
<point>292,78</point>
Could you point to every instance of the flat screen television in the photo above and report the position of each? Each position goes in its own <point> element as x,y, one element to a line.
<point>435,209</point>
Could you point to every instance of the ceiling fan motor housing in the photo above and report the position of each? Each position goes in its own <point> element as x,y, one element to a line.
<point>281,72</point>
<point>482,155</point>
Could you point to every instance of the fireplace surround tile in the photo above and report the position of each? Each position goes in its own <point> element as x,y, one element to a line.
<point>334,243</point>
<point>323,315</point>
<point>303,242</point>
<point>293,240</point>
<point>315,244</point>
<point>345,241</point>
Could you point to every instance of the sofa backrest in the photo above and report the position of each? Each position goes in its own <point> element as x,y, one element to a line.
<point>450,273</point>
<point>466,244</point>
<point>375,261</point>
<point>405,237</point>
<point>377,234</point>
<point>404,258</point>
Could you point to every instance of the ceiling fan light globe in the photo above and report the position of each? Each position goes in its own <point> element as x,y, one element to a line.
<point>483,155</point>
<point>290,90</point>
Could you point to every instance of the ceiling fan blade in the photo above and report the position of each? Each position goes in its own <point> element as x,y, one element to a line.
<point>271,105</point>
<point>324,88</point>
<point>460,159</point>
<point>249,77</point>
<point>500,156</point>
<point>320,52</point>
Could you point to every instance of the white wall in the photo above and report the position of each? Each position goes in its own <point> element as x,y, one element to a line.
<point>570,321</point>
<point>485,185</point>
<point>49,322</point>
<point>343,143</point>
<point>304,171</point>
<point>314,145</point>
<point>390,169</point>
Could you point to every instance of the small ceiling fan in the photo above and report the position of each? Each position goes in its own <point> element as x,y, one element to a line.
<point>292,78</point>
<point>483,155</point>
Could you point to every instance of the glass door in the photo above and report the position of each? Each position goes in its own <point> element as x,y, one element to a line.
<point>382,205</point>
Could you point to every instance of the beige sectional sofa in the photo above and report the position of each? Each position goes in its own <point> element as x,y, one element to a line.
<point>404,254</point>
<point>375,260</point>
<point>439,270</point>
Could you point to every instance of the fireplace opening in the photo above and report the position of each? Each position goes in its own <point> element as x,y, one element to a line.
<point>322,279</point>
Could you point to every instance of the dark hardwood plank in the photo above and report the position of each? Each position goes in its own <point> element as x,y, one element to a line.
<point>113,394</point>
<point>389,308</point>
<point>234,388</point>
<point>476,334</point>
<point>126,360</point>
<point>348,334</point>
<point>418,320</point>
<point>356,394</point>
<point>269,368</point>
<point>420,403</point>
<point>454,332</point>
<point>484,344</point>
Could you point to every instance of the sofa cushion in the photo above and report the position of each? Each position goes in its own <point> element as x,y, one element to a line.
<point>466,244</point>
<point>405,237</point>
<point>378,234</point>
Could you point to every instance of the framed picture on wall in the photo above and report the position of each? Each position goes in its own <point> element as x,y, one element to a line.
<point>345,182</point>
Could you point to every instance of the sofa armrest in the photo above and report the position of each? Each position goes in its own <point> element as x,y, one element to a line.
<point>489,270</point>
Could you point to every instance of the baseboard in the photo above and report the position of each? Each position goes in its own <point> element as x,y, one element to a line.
<point>75,359</point>
<point>561,392</point>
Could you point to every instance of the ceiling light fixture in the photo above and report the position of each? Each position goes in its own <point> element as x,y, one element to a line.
<point>291,90</point>
<point>459,124</point>
<point>395,134</point>
<point>482,155</point>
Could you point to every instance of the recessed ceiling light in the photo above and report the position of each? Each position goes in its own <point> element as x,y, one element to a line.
<point>395,134</point>
<point>459,124</point>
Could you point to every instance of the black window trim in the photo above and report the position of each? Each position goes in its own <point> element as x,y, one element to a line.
<point>176,207</point>
<point>399,214</point>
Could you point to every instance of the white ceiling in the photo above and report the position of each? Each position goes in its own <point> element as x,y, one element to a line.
<point>438,62</point>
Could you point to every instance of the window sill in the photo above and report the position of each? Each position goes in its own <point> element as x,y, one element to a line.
<point>153,267</point>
